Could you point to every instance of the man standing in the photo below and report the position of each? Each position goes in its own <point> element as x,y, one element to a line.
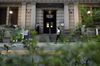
<point>26,34</point>
<point>37,28</point>
<point>58,34</point>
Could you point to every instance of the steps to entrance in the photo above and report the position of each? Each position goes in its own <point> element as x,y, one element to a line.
<point>46,37</point>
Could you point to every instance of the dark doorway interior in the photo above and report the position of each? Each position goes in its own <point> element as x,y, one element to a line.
<point>49,19</point>
<point>3,12</point>
<point>14,16</point>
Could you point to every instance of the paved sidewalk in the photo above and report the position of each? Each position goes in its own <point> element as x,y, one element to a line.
<point>17,52</point>
<point>2,44</point>
<point>46,47</point>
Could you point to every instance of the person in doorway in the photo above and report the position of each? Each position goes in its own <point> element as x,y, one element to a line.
<point>58,34</point>
<point>37,28</point>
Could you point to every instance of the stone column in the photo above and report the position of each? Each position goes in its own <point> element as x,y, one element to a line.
<point>7,17</point>
<point>23,14</point>
<point>66,16</point>
<point>76,15</point>
<point>19,15</point>
<point>33,14</point>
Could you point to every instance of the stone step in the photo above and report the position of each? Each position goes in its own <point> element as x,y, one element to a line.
<point>6,40</point>
<point>47,37</point>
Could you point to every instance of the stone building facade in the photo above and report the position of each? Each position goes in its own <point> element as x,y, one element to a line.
<point>29,13</point>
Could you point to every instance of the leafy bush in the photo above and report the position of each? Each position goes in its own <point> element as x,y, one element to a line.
<point>16,37</point>
<point>32,33</point>
<point>73,54</point>
<point>1,35</point>
<point>86,19</point>
<point>63,39</point>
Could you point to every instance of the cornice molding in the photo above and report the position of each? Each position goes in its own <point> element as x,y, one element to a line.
<point>50,1</point>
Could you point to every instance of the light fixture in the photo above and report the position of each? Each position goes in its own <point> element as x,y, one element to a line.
<point>10,12</point>
<point>47,25</point>
<point>89,12</point>
<point>62,24</point>
<point>49,11</point>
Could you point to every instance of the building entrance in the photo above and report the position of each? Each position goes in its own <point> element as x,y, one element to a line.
<point>49,21</point>
<point>13,18</point>
<point>3,15</point>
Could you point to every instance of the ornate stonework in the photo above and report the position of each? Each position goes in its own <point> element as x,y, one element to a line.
<point>53,1</point>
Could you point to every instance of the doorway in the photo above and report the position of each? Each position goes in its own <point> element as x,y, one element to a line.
<point>14,16</point>
<point>3,15</point>
<point>49,21</point>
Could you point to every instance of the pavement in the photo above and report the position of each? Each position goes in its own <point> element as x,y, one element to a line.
<point>2,44</point>
<point>45,47</point>
<point>20,50</point>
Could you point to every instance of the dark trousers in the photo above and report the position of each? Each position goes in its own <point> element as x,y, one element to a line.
<point>6,47</point>
<point>26,37</point>
<point>57,37</point>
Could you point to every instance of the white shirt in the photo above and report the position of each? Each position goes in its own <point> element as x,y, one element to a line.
<point>58,31</point>
<point>26,32</point>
